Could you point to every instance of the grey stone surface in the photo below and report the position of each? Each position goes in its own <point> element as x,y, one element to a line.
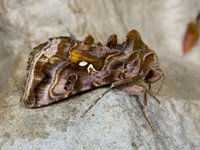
<point>116,122</point>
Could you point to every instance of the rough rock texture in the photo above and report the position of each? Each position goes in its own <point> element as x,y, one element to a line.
<point>116,122</point>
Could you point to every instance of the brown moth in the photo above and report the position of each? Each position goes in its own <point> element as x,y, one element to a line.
<point>64,66</point>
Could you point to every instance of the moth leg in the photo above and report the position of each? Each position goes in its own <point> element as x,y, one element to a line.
<point>149,85</point>
<point>113,85</point>
<point>140,92</point>
<point>151,94</point>
<point>95,102</point>
<point>163,78</point>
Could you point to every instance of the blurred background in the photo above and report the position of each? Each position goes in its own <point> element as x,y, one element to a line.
<point>117,122</point>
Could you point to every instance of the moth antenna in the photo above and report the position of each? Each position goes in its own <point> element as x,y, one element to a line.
<point>150,93</point>
<point>147,119</point>
<point>153,96</point>
<point>143,102</point>
<point>163,78</point>
<point>149,85</point>
<point>160,87</point>
<point>95,102</point>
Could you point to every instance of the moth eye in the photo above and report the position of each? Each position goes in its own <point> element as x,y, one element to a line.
<point>71,80</point>
<point>149,75</point>
<point>83,63</point>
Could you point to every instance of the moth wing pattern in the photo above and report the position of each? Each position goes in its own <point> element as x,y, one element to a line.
<point>63,67</point>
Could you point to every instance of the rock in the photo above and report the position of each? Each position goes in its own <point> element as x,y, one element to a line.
<point>116,122</point>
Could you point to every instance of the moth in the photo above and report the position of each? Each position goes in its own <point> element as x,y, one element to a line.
<point>65,66</point>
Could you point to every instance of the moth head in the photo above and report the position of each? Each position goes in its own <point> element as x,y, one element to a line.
<point>154,74</point>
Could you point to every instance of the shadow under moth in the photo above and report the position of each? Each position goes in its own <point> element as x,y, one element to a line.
<point>65,66</point>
